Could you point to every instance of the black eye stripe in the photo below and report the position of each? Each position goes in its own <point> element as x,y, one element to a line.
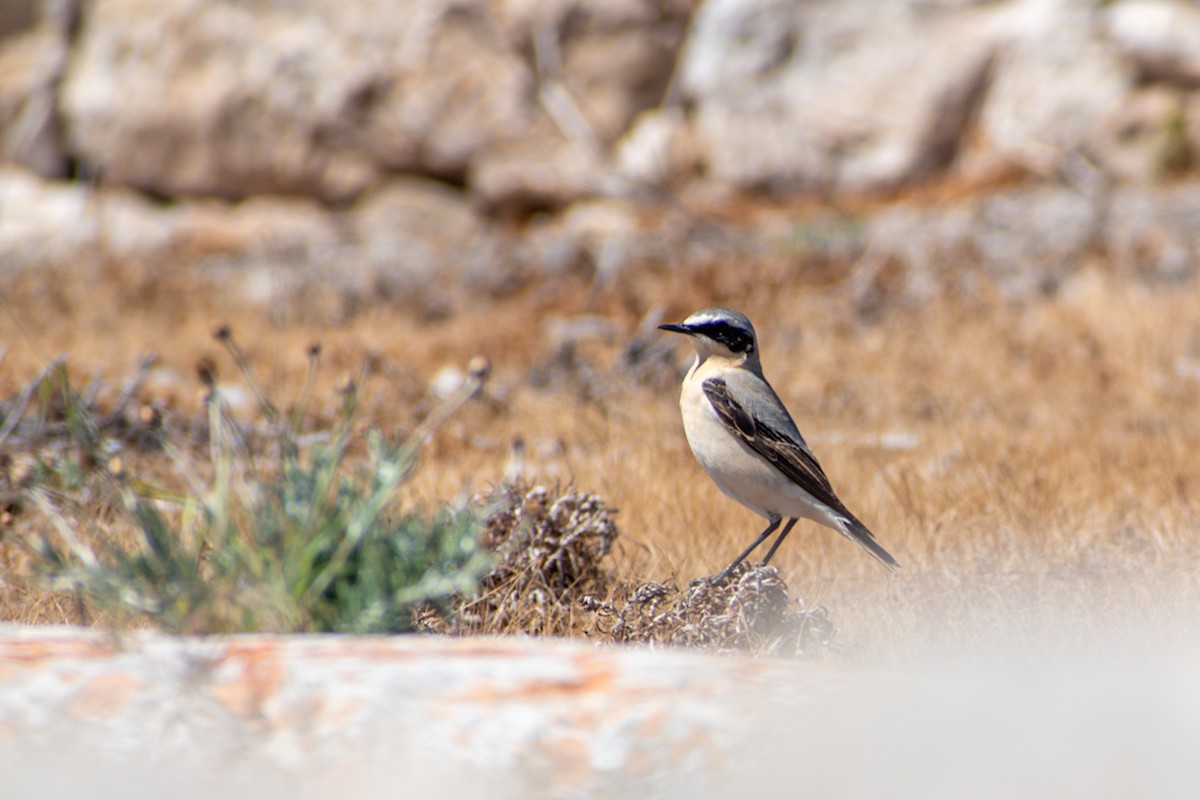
<point>736,339</point>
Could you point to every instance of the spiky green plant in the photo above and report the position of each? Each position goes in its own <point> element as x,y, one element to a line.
<point>310,541</point>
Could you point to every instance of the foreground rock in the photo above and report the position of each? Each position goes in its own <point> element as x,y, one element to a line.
<point>83,714</point>
<point>513,718</point>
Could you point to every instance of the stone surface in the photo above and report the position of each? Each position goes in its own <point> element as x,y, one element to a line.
<point>833,95</point>
<point>531,106</point>
<point>1032,238</point>
<point>1058,90</point>
<point>324,97</point>
<point>50,223</point>
<point>1152,233</point>
<point>1161,38</point>
<point>410,242</point>
<point>516,718</point>
<point>867,95</point>
<point>144,716</point>
<point>659,149</point>
<point>35,40</point>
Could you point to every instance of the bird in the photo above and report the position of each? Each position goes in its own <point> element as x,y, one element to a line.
<point>745,439</point>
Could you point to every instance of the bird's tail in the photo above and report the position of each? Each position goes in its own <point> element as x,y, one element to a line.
<point>854,530</point>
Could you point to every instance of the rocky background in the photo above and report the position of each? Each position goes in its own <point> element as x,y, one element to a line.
<point>408,150</point>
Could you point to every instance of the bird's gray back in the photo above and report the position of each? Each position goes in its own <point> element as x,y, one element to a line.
<point>754,394</point>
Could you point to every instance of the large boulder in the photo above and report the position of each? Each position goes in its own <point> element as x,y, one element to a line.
<point>865,94</point>
<point>1059,90</point>
<point>325,97</point>
<point>833,95</point>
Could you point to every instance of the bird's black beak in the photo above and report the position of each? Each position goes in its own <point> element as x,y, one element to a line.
<point>674,327</point>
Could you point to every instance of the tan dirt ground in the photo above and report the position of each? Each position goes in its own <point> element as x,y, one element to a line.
<point>1031,463</point>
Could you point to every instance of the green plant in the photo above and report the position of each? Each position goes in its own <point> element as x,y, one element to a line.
<point>307,541</point>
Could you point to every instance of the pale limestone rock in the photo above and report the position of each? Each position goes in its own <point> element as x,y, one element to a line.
<point>505,718</point>
<point>232,99</point>
<point>833,95</point>
<point>1032,238</point>
<point>1161,37</point>
<point>659,150</point>
<point>408,242</point>
<point>867,94</point>
<point>326,97</point>
<point>1058,89</point>
<point>34,47</point>
<point>139,716</point>
<point>45,223</point>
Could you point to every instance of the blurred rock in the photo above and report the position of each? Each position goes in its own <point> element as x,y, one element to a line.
<point>283,228</point>
<point>1151,232</point>
<point>532,106</point>
<point>18,16</point>
<point>659,150</point>
<point>1058,89</point>
<point>1160,37</point>
<point>613,57</point>
<point>145,716</point>
<point>868,94</point>
<point>325,97</point>
<point>1032,238</point>
<point>834,95</point>
<point>538,173</point>
<point>35,40</point>
<point>409,240</point>
<point>1020,238</point>
<point>24,16</point>
<point>405,243</point>
<point>45,223</point>
<point>133,715</point>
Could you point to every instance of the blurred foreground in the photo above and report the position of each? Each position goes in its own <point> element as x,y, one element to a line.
<point>144,716</point>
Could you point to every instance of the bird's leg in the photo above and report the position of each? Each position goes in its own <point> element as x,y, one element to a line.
<point>774,520</point>
<point>782,535</point>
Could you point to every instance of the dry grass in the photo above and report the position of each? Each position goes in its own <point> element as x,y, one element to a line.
<point>1031,464</point>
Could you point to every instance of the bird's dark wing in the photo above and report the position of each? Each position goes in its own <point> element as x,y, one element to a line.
<point>788,453</point>
<point>788,456</point>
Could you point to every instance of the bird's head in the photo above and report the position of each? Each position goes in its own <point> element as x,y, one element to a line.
<point>720,333</point>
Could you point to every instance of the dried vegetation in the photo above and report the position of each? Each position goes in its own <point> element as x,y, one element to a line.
<point>749,611</point>
<point>1029,460</point>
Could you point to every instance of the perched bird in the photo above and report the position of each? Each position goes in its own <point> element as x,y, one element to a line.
<point>745,439</point>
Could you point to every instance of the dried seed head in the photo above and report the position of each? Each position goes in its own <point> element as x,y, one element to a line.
<point>479,368</point>
<point>206,371</point>
<point>314,350</point>
<point>149,416</point>
<point>116,467</point>
<point>346,385</point>
<point>221,331</point>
